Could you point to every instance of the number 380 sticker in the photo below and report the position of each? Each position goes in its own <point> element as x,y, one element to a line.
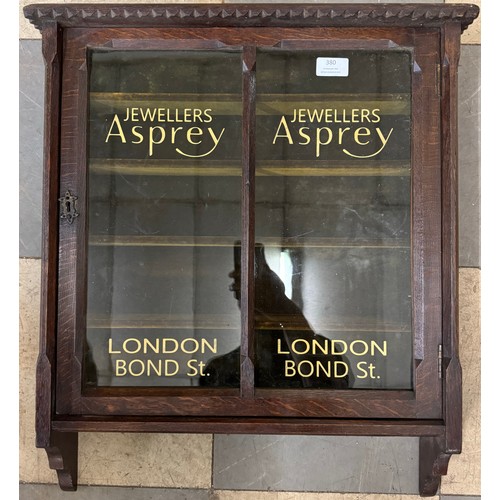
<point>332,66</point>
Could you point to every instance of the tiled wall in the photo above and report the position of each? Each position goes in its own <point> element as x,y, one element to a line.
<point>235,467</point>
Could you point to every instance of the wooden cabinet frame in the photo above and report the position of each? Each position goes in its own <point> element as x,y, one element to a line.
<point>432,411</point>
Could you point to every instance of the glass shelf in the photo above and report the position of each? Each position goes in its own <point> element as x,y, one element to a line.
<point>228,322</point>
<point>228,241</point>
<point>287,168</point>
<point>267,104</point>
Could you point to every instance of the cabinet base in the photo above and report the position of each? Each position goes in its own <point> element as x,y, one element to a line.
<point>63,457</point>
<point>433,463</point>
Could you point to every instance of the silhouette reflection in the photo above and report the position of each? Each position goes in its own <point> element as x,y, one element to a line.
<point>279,326</point>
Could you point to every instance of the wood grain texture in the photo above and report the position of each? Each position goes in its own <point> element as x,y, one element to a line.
<point>433,410</point>
<point>45,370</point>
<point>289,426</point>
<point>450,48</point>
<point>362,15</point>
<point>63,458</point>
<point>247,281</point>
<point>424,402</point>
<point>426,222</point>
<point>433,463</point>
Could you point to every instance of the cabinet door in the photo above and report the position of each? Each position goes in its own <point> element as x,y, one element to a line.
<point>333,289</point>
<point>260,224</point>
<point>163,214</point>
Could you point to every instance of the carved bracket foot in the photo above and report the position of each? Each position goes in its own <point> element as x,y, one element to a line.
<point>433,463</point>
<point>63,457</point>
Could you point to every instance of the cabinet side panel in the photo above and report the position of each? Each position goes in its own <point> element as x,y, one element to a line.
<point>45,370</point>
<point>452,372</point>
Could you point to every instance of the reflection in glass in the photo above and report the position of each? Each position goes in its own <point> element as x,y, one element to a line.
<point>282,328</point>
<point>163,213</point>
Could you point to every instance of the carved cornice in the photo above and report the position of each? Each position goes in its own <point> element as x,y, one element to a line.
<point>207,15</point>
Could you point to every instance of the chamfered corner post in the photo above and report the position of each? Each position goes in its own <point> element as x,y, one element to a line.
<point>435,452</point>
<point>63,458</point>
<point>452,371</point>
<point>433,463</point>
<point>61,448</point>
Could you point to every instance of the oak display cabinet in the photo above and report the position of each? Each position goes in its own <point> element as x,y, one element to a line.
<point>250,223</point>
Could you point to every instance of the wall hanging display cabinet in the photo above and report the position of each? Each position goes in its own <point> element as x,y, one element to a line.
<point>250,223</point>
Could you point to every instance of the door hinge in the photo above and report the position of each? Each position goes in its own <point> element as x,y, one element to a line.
<point>440,360</point>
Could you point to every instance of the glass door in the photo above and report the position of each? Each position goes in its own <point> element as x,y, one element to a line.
<point>333,293</point>
<point>164,212</point>
<point>262,226</point>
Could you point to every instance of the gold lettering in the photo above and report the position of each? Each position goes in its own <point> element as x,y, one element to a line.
<point>193,349</point>
<point>343,351</point>
<point>154,347</point>
<point>342,364</point>
<point>365,115</point>
<point>364,347</point>
<point>304,135</point>
<point>116,121</point>
<point>120,369</point>
<point>290,368</point>
<point>211,347</point>
<point>306,368</point>
<point>140,370</point>
<point>148,115</point>
<point>165,342</point>
<point>301,369</point>
<point>315,115</point>
<point>193,368</point>
<point>287,134</point>
<point>382,138</point>
<point>280,349</point>
<point>316,346</point>
<point>320,367</point>
<point>151,138</point>
<point>216,140</point>
<point>131,350</point>
<point>341,133</point>
<point>208,116</point>
<point>110,347</point>
<point>364,132</point>
<point>197,115</point>
<point>319,142</point>
<point>156,368</point>
<point>137,134</point>
<point>300,341</point>
<point>194,131</point>
<point>174,133</point>
<point>382,350</point>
